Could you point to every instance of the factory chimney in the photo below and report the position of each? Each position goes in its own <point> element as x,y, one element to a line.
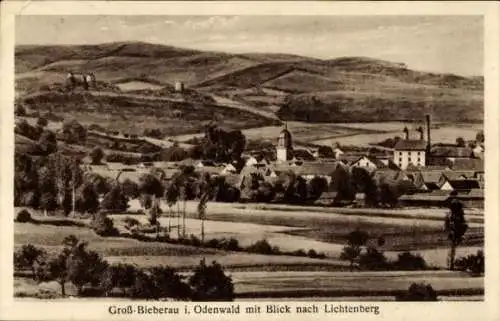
<point>428,121</point>
<point>407,133</point>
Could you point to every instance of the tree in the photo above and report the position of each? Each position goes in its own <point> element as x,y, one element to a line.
<point>130,189</point>
<point>52,269</point>
<point>210,283</point>
<point>480,137</point>
<point>20,110</point>
<point>118,276</point>
<point>460,142</point>
<point>150,185</point>
<point>87,200</point>
<point>73,264</point>
<point>168,283</point>
<point>455,227</point>
<point>103,225</point>
<point>207,192</point>
<point>373,259</point>
<point>341,183</point>
<point>96,154</point>
<point>73,132</point>
<point>418,292</point>
<point>317,186</point>
<point>355,240</point>
<point>26,256</point>
<point>364,182</point>
<point>84,266</point>
<point>100,185</point>
<point>48,142</point>
<point>42,122</point>
<point>115,200</point>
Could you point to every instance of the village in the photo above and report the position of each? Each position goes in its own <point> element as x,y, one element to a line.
<point>432,173</point>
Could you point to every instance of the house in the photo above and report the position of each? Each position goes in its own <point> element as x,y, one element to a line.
<point>431,180</point>
<point>460,185</point>
<point>366,162</point>
<point>228,169</point>
<point>410,151</point>
<point>478,151</point>
<point>303,154</point>
<point>251,161</point>
<point>338,153</point>
<point>349,159</point>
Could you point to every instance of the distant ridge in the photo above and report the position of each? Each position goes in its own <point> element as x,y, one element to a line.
<point>297,88</point>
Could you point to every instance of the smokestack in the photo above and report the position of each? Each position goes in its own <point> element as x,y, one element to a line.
<point>428,120</point>
<point>421,131</point>
<point>407,133</point>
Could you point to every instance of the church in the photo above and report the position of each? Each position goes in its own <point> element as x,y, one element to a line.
<point>284,149</point>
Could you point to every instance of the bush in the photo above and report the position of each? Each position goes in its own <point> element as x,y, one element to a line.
<point>130,222</point>
<point>407,261</point>
<point>418,292</point>
<point>231,244</point>
<point>473,263</point>
<point>103,225</point>
<point>210,283</point>
<point>315,255</point>
<point>24,216</point>
<point>372,259</point>
<point>262,247</point>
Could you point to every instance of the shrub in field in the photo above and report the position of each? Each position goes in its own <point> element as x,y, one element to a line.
<point>315,255</point>
<point>473,263</point>
<point>418,292</point>
<point>262,247</point>
<point>407,261</point>
<point>230,244</point>
<point>103,225</point>
<point>23,216</point>
<point>300,252</point>
<point>26,256</point>
<point>210,283</point>
<point>131,223</point>
<point>373,260</point>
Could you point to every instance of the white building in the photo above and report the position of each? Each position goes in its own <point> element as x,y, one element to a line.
<point>408,152</point>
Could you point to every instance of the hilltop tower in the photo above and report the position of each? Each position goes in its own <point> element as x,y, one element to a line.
<point>284,150</point>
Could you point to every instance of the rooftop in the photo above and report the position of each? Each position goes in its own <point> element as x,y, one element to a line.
<point>408,144</point>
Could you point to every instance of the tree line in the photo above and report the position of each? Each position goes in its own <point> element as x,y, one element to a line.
<point>92,275</point>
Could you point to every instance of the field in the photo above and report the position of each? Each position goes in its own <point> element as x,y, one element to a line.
<point>354,134</point>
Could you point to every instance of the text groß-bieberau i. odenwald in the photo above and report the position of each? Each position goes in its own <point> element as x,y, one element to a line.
<point>217,309</point>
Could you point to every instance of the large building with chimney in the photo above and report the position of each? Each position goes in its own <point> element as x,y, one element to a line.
<point>413,151</point>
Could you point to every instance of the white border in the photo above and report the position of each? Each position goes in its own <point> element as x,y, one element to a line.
<point>96,310</point>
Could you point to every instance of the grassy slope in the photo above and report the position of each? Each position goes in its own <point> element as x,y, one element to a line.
<point>133,114</point>
<point>366,88</point>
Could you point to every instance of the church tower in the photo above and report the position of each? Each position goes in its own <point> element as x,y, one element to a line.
<point>284,150</point>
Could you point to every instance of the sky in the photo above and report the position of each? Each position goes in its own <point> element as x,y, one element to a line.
<point>448,44</point>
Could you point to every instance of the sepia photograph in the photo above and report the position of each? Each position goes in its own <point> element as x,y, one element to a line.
<point>249,158</point>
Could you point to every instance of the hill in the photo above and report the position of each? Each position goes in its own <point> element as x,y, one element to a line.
<point>344,89</point>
